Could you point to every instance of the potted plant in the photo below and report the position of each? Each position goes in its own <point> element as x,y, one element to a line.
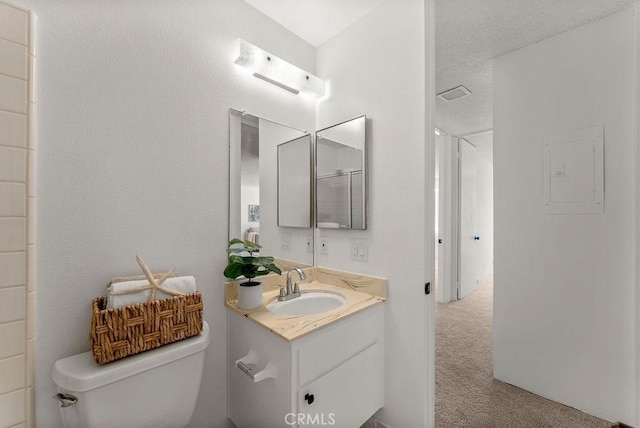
<point>243,262</point>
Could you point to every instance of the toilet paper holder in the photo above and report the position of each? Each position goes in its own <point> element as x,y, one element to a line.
<point>247,365</point>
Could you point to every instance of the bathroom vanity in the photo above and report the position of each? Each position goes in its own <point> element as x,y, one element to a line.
<point>318,369</point>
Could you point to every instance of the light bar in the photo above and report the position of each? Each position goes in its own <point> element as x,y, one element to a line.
<point>275,70</point>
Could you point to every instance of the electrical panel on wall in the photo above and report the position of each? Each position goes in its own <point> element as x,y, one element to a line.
<point>574,172</point>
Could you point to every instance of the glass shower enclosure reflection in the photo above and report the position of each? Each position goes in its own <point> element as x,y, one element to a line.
<point>340,175</point>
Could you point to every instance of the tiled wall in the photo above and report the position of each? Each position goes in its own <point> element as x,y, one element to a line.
<point>17,217</point>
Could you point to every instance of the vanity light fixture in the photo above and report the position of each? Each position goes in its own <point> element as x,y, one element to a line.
<point>275,70</point>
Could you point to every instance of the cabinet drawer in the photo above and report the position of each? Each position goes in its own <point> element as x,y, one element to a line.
<point>346,396</point>
<point>328,348</point>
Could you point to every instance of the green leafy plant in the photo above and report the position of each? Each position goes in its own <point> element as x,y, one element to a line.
<point>243,261</point>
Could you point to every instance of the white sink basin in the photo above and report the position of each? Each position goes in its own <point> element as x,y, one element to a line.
<point>307,304</point>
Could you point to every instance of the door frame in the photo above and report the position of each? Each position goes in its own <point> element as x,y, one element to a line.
<point>458,294</point>
<point>449,201</point>
<point>636,232</point>
<point>457,211</point>
<point>448,219</point>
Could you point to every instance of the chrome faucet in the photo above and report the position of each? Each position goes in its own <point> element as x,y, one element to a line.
<point>286,291</point>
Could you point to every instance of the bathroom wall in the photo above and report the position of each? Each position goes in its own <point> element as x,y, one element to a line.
<point>17,216</point>
<point>377,67</point>
<point>133,158</point>
<point>564,307</point>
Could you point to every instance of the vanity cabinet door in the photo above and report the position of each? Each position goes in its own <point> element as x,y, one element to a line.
<point>346,396</point>
<point>331,346</point>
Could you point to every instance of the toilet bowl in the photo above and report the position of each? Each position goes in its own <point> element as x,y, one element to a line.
<point>157,388</point>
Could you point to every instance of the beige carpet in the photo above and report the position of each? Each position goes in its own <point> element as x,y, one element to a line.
<point>466,393</point>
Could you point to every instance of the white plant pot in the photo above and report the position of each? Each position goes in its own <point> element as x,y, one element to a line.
<point>250,296</point>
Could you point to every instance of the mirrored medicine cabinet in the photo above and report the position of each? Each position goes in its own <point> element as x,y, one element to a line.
<point>341,176</point>
<point>253,187</point>
<point>281,184</point>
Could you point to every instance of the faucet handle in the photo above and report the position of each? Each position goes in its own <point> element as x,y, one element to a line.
<point>296,286</point>
<point>283,290</point>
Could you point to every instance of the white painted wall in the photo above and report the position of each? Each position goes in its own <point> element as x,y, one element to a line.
<point>133,159</point>
<point>377,67</point>
<point>564,307</point>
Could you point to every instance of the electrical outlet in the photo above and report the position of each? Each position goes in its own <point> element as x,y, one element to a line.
<point>360,250</point>
<point>286,241</point>
<point>324,246</point>
<point>309,244</point>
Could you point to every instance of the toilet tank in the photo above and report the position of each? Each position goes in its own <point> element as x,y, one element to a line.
<point>157,388</point>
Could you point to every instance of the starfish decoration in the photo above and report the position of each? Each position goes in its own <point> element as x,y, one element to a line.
<point>153,285</point>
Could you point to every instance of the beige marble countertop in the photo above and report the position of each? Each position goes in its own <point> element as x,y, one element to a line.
<point>360,292</point>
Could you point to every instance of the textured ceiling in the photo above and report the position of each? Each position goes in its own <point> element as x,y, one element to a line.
<point>315,21</point>
<point>470,33</point>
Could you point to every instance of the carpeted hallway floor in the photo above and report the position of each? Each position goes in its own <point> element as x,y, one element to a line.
<point>466,393</point>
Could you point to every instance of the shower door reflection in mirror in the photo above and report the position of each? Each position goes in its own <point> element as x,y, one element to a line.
<point>340,176</point>
<point>253,188</point>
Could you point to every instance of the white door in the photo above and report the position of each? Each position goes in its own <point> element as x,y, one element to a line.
<point>470,265</point>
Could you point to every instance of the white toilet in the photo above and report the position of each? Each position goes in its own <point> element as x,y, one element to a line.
<point>157,388</point>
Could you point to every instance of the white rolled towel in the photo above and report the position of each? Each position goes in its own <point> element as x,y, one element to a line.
<point>183,284</point>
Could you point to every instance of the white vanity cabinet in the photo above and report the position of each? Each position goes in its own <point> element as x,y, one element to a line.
<point>328,377</point>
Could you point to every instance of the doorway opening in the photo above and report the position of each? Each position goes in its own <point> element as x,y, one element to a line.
<point>464,213</point>
<point>530,90</point>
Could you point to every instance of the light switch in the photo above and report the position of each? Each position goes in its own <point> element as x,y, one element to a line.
<point>359,250</point>
<point>559,170</point>
<point>286,241</point>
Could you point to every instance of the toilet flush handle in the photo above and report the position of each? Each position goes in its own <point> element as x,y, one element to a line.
<point>65,400</point>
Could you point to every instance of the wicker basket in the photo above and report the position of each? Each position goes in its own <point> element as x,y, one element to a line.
<point>118,333</point>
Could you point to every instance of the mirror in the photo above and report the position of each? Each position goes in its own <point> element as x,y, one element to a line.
<point>341,201</point>
<point>294,183</point>
<point>253,187</point>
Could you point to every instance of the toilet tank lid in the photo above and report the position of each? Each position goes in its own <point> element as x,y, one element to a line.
<point>80,373</point>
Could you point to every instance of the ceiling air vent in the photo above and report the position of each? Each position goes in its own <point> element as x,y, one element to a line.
<point>454,94</point>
